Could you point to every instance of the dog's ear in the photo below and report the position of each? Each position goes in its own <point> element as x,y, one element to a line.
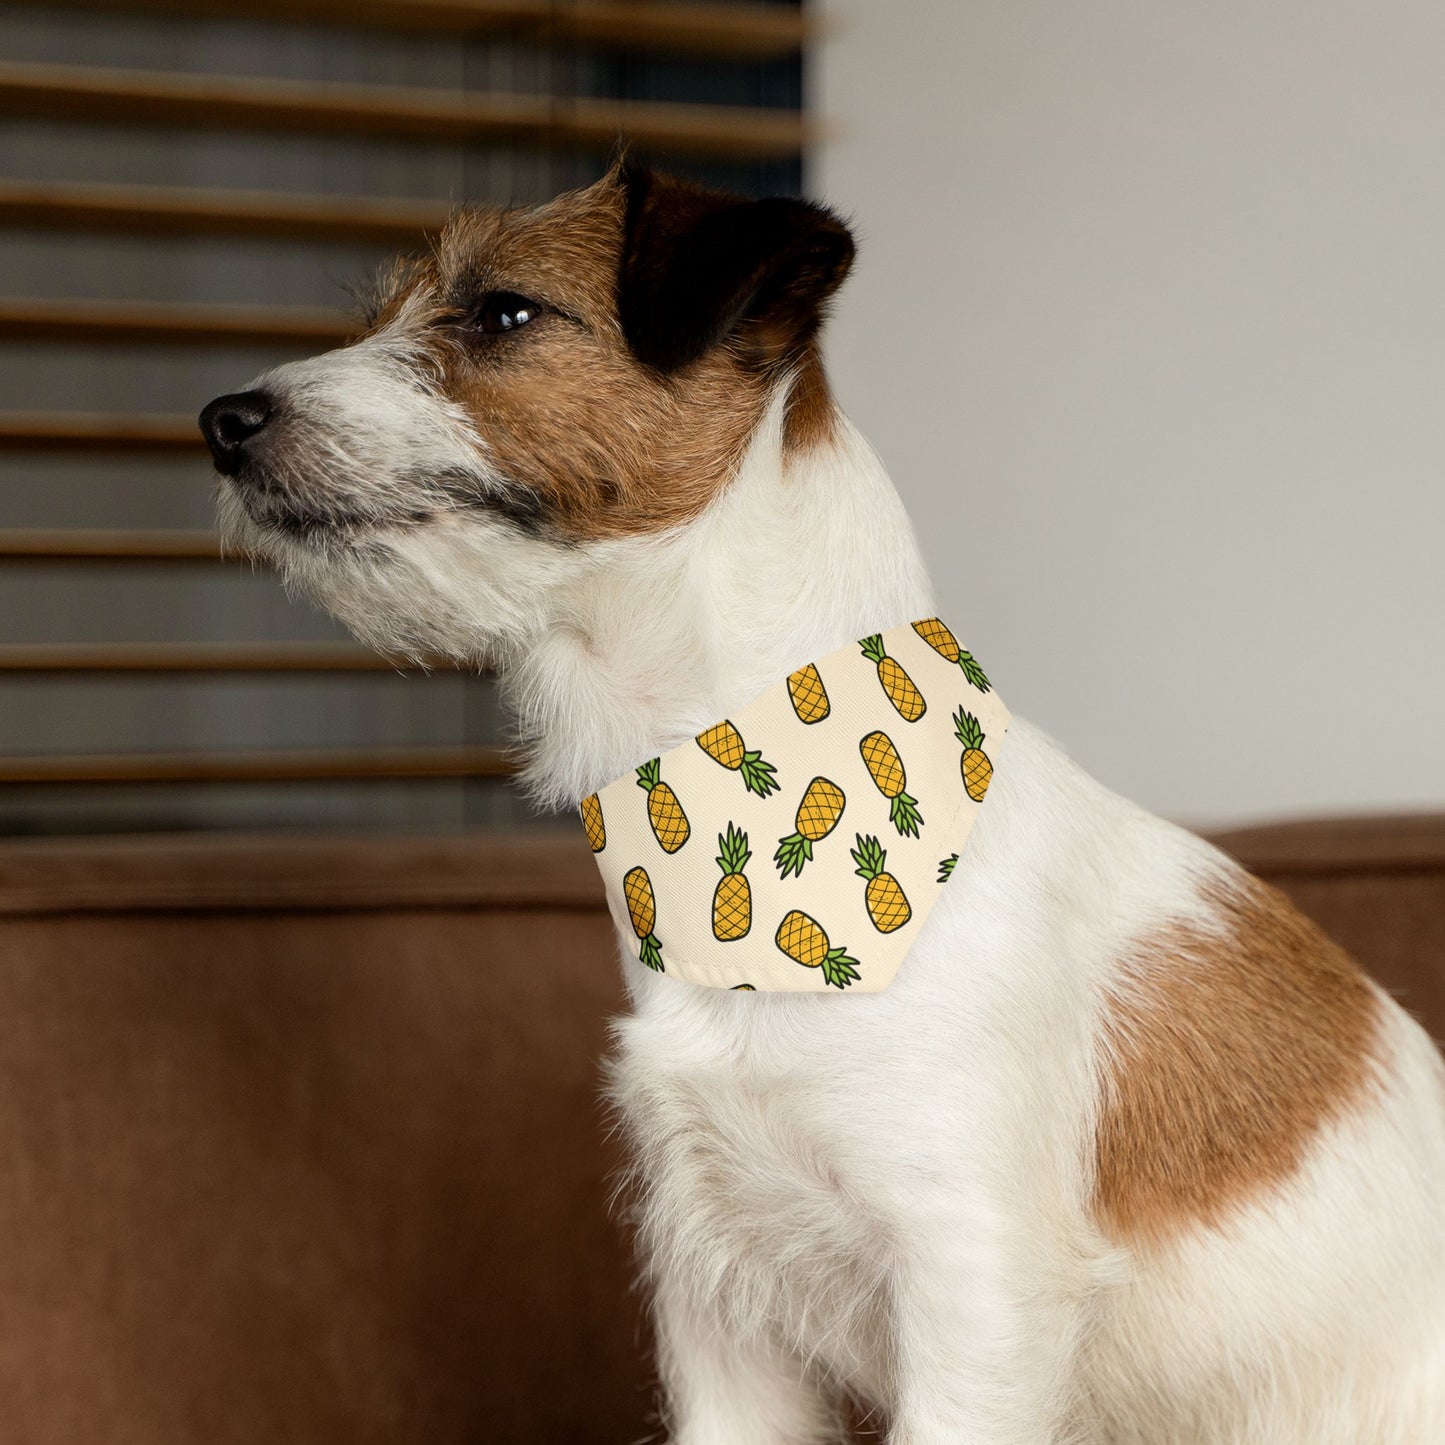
<point>700,266</point>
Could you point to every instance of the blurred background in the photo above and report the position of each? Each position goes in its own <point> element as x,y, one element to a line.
<point>302,1011</point>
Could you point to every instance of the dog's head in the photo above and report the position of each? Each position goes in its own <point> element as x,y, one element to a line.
<point>545,382</point>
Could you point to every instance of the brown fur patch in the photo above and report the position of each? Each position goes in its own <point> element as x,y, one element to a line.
<point>1227,1053</point>
<point>606,445</point>
<point>812,415</point>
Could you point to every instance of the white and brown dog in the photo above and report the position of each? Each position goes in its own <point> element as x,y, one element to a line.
<point>1128,1153</point>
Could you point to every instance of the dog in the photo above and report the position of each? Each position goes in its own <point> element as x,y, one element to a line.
<point>1128,1152</point>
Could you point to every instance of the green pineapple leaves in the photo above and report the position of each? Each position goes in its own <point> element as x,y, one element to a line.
<point>758,775</point>
<point>873,647</point>
<point>870,857</point>
<point>967,730</point>
<point>839,969</point>
<point>972,671</point>
<point>733,850</point>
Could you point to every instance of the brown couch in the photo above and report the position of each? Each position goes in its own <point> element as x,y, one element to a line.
<point>302,1140</point>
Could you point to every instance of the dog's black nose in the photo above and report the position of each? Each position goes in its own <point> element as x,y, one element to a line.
<point>229,422</point>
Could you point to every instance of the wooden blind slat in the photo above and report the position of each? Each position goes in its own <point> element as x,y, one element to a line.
<point>77,431</point>
<point>172,211</point>
<point>82,544</point>
<point>217,102</point>
<point>171,323</point>
<point>329,765</point>
<point>762,32</point>
<point>187,657</point>
<point>755,32</point>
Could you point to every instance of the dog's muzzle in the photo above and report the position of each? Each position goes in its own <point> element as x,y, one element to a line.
<point>231,423</point>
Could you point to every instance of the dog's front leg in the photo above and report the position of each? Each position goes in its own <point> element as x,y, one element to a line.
<point>985,1340</point>
<point>724,1387</point>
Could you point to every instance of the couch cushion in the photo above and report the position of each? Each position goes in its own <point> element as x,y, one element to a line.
<point>303,1143</point>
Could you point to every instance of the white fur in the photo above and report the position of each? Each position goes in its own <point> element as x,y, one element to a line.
<point>889,1194</point>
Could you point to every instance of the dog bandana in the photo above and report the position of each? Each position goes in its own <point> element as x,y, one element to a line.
<point>799,844</point>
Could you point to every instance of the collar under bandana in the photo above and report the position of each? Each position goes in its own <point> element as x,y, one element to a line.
<point>860,775</point>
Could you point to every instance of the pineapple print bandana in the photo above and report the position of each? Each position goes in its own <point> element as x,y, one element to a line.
<point>799,844</point>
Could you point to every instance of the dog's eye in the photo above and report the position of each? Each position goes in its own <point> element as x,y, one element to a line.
<point>504,311</point>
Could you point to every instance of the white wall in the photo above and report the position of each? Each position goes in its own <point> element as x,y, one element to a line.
<point>1149,324</point>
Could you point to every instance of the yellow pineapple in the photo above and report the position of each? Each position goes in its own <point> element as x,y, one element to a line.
<point>945,644</point>
<point>642,909</point>
<point>723,743</point>
<point>805,942</point>
<point>887,903</point>
<point>664,812</point>
<point>593,823</point>
<point>810,697</point>
<point>975,766</point>
<point>896,683</point>
<point>818,813</point>
<point>886,767</point>
<point>732,900</point>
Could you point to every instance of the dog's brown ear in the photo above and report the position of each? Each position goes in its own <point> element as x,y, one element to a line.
<point>699,266</point>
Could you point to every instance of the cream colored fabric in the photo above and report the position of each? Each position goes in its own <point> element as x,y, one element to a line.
<point>845,855</point>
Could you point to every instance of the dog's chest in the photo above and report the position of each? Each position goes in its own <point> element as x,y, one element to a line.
<point>751,1181</point>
